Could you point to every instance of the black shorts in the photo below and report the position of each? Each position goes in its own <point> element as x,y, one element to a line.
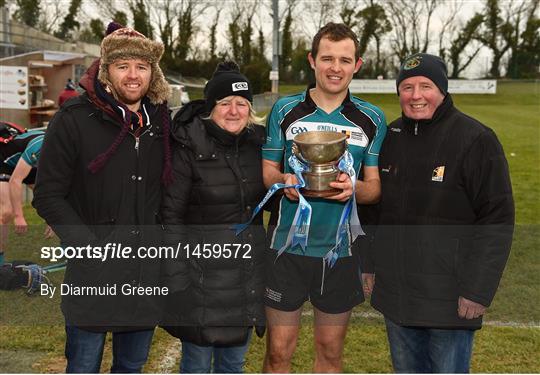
<point>294,279</point>
<point>6,171</point>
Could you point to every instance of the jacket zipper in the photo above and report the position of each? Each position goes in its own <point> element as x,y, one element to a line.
<point>399,265</point>
<point>137,138</point>
<point>137,145</point>
<point>416,128</point>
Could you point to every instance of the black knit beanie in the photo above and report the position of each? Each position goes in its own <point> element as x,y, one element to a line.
<point>226,81</point>
<point>423,64</point>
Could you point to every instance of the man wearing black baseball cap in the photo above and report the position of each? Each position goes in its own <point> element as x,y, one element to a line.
<point>445,226</point>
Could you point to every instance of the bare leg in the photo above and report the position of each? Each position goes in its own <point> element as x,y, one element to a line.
<point>6,216</point>
<point>330,332</point>
<point>281,337</point>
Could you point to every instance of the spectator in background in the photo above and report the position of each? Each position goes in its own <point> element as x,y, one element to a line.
<point>19,155</point>
<point>68,92</point>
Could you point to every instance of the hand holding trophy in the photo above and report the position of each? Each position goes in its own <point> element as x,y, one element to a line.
<point>321,152</point>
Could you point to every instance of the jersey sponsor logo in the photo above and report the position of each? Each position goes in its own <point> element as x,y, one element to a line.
<point>327,128</point>
<point>355,135</point>
<point>438,174</point>
<point>240,86</point>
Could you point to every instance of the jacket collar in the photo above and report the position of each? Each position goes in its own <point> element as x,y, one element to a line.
<point>311,105</point>
<point>204,136</point>
<point>439,113</point>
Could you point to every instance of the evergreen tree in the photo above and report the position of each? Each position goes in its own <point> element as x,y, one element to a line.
<point>141,19</point>
<point>213,38</point>
<point>69,23</point>
<point>234,36</point>
<point>457,57</point>
<point>28,12</point>
<point>525,57</point>
<point>185,22</point>
<point>286,45</point>
<point>120,17</point>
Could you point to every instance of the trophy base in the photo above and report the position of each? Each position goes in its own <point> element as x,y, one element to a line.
<point>319,193</point>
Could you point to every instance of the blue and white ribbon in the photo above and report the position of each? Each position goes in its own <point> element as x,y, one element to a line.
<point>239,228</point>
<point>299,231</point>
<point>349,221</point>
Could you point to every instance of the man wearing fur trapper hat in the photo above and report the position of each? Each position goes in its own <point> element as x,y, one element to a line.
<point>104,160</point>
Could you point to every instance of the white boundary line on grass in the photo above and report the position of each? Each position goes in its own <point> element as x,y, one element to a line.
<point>494,323</point>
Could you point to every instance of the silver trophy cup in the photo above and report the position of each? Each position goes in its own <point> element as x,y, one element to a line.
<point>320,151</point>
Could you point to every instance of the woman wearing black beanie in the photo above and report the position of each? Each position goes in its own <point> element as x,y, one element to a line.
<point>218,283</point>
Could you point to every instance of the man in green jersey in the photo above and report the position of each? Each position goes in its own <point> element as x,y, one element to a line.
<point>301,274</point>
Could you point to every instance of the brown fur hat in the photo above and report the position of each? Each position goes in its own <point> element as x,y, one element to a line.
<point>124,43</point>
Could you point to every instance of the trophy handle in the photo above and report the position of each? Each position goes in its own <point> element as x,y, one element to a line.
<point>297,153</point>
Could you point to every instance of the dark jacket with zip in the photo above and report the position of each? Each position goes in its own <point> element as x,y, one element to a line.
<point>219,184</point>
<point>446,219</point>
<point>117,205</point>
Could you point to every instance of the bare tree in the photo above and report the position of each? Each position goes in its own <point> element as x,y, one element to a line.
<point>176,25</point>
<point>164,12</point>
<point>70,23</point>
<point>213,34</point>
<point>241,29</point>
<point>106,10</point>
<point>234,36</point>
<point>372,24</point>
<point>316,14</point>
<point>524,43</point>
<point>411,22</point>
<point>141,18</point>
<point>449,25</point>
<point>457,56</point>
<point>499,29</point>
<point>185,30</point>
<point>43,15</point>
<point>51,14</point>
<point>348,10</point>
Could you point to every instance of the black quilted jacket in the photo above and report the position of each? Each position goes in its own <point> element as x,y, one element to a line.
<point>446,219</point>
<point>218,183</point>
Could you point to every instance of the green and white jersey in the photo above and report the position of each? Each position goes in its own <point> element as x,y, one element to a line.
<point>26,146</point>
<point>365,127</point>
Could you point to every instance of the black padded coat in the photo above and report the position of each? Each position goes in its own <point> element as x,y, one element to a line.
<point>218,183</point>
<point>118,205</point>
<point>446,219</point>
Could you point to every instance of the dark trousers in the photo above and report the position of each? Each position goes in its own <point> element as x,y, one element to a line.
<point>209,359</point>
<point>84,350</point>
<point>428,350</point>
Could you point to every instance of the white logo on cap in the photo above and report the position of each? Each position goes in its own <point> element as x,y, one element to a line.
<point>240,86</point>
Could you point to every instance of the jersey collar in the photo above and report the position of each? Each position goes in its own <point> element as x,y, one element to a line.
<point>311,105</point>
